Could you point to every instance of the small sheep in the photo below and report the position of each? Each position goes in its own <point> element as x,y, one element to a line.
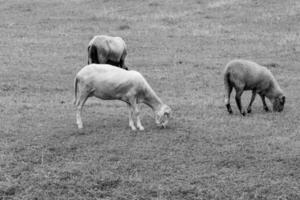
<point>108,82</point>
<point>103,49</point>
<point>248,75</point>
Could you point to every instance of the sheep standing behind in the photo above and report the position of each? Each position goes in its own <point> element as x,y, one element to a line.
<point>247,75</point>
<point>108,82</point>
<point>103,49</point>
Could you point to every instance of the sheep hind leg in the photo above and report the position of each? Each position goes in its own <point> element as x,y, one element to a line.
<point>238,96</point>
<point>227,99</point>
<point>92,54</point>
<point>122,64</point>
<point>251,101</point>
<point>82,99</point>
<point>122,61</point>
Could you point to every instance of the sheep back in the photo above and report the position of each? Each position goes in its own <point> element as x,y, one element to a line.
<point>249,75</point>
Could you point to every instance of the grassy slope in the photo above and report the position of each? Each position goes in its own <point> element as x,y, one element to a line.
<point>181,48</point>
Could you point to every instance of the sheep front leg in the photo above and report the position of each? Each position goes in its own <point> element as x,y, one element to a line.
<point>251,101</point>
<point>238,95</point>
<point>131,116</point>
<point>135,111</point>
<point>138,120</point>
<point>264,102</point>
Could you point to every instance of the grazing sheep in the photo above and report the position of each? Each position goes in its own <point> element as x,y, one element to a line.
<point>103,49</point>
<point>248,75</point>
<point>108,82</point>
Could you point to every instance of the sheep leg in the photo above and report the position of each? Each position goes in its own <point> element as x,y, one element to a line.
<point>227,98</point>
<point>82,99</point>
<point>92,54</point>
<point>89,55</point>
<point>122,64</point>
<point>122,59</point>
<point>136,112</point>
<point>138,120</point>
<point>251,101</point>
<point>238,95</point>
<point>264,102</point>
<point>131,116</point>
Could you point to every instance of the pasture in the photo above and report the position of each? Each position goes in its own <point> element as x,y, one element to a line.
<point>181,48</point>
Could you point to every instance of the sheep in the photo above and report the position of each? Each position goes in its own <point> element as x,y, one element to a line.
<point>247,75</point>
<point>108,82</point>
<point>103,49</point>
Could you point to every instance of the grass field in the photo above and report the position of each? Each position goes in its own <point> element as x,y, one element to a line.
<point>181,48</point>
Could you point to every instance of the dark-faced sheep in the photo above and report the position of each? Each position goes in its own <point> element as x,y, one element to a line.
<point>247,75</point>
<point>103,49</point>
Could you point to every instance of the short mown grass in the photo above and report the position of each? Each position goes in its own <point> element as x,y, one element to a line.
<point>181,48</point>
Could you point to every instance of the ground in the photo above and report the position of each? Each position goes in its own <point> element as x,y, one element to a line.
<point>181,48</point>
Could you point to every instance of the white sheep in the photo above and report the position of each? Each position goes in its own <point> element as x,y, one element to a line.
<point>108,82</point>
<point>103,49</point>
<point>247,75</point>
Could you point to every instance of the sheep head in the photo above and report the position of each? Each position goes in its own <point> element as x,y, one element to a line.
<point>162,116</point>
<point>278,103</point>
